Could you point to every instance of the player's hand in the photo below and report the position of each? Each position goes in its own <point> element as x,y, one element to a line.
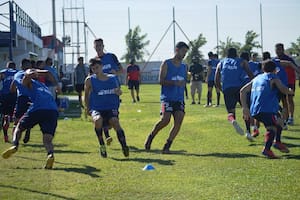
<point>290,92</point>
<point>180,83</point>
<point>113,71</point>
<point>118,91</point>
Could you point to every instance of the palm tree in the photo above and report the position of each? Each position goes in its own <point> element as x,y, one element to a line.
<point>135,45</point>
<point>194,50</point>
<point>224,46</point>
<point>250,42</point>
<point>294,50</point>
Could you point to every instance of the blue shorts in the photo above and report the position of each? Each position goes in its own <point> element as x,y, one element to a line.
<point>172,106</point>
<point>106,115</point>
<point>231,97</point>
<point>8,102</point>
<point>22,105</point>
<point>47,119</point>
<point>268,119</point>
<point>210,84</point>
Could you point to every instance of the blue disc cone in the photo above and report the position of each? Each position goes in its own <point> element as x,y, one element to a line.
<point>148,167</point>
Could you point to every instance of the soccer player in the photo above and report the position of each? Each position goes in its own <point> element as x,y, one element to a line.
<point>211,70</point>
<point>101,95</point>
<point>265,104</point>
<point>111,65</point>
<point>172,76</point>
<point>279,48</point>
<point>42,111</point>
<point>8,99</point>
<point>23,100</point>
<point>196,72</point>
<point>80,75</point>
<point>133,80</point>
<point>229,72</point>
<point>54,89</point>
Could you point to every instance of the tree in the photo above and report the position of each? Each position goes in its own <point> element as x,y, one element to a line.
<point>194,51</point>
<point>224,46</point>
<point>294,50</point>
<point>135,45</point>
<point>250,42</point>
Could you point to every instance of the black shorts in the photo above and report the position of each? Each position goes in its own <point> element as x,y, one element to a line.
<point>47,119</point>
<point>22,105</point>
<point>106,115</point>
<point>172,106</point>
<point>231,97</point>
<point>8,102</point>
<point>133,84</point>
<point>79,88</point>
<point>268,119</point>
<point>210,84</point>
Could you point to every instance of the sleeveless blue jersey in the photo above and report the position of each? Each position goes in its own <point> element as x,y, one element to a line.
<point>110,62</point>
<point>40,97</point>
<point>213,63</point>
<point>103,96</point>
<point>254,67</point>
<point>264,98</point>
<point>281,73</point>
<point>7,80</point>
<point>21,90</point>
<point>174,93</point>
<point>231,73</point>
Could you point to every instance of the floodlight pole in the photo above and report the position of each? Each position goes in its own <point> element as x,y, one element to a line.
<point>261,30</point>
<point>217,28</point>
<point>174,31</point>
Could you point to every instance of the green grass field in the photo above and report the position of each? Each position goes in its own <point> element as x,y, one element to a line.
<point>209,160</point>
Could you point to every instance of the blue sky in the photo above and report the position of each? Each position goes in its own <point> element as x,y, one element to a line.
<point>109,20</point>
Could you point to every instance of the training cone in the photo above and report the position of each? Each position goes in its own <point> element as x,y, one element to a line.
<point>148,167</point>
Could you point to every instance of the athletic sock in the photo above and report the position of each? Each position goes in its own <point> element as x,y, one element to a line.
<point>269,138</point>
<point>218,98</point>
<point>208,98</point>
<point>278,134</point>
<point>121,137</point>
<point>99,136</point>
<point>247,123</point>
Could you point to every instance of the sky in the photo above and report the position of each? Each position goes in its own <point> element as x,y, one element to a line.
<point>108,19</point>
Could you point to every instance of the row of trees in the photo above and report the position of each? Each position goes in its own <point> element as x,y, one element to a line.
<point>136,46</point>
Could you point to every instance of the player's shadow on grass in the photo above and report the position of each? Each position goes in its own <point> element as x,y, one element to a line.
<point>34,145</point>
<point>158,151</point>
<point>146,160</point>
<point>47,194</point>
<point>87,170</point>
<point>289,156</point>
<point>290,137</point>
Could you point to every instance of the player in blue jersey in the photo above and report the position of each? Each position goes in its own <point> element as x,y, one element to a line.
<point>54,89</point>
<point>172,76</point>
<point>111,65</point>
<point>229,73</point>
<point>102,102</point>
<point>42,111</point>
<point>265,104</point>
<point>211,70</point>
<point>8,99</point>
<point>23,100</point>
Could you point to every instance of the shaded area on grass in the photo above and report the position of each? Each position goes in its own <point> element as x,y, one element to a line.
<point>35,191</point>
<point>146,160</point>
<point>87,170</point>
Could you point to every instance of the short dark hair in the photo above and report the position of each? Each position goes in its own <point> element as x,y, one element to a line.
<point>279,45</point>
<point>26,63</point>
<point>266,55</point>
<point>11,65</point>
<point>39,63</point>
<point>210,54</point>
<point>80,58</point>
<point>48,60</point>
<point>269,66</point>
<point>231,53</point>
<point>95,61</point>
<point>181,44</point>
<point>245,55</point>
<point>98,40</point>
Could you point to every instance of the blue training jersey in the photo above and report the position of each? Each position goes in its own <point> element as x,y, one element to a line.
<point>103,95</point>
<point>53,71</point>
<point>110,62</point>
<point>40,96</point>
<point>255,69</point>
<point>231,73</point>
<point>264,98</point>
<point>8,77</point>
<point>213,63</point>
<point>21,89</point>
<point>281,73</point>
<point>173,92</point>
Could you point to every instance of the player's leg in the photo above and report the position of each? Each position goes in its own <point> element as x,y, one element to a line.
<point>137,90</point>
<point>193,90</point>
<point>199,91</point>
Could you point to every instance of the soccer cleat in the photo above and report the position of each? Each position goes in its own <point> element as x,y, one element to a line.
<point>49,162</point>
<point>6,138</point>
<point>237,127</point>
<point>290,121</point>
<point>148,142</point>
<point>193,103</point>
<point>217,105</point>
<point>10,151</point>
<point>137,98</point>
<point>285,127</point>
<point>281,147</point>
<point>255,132</point>
<point>166,151</point>
<point>207,105</point>
<point>125,151</point>
<point>269,154</point>
<point>133,101</point>
<point>109,141</point>
<point>103,151</point>
<point>249,137</point>
<point>27,136</point>
<point>198,102</point>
